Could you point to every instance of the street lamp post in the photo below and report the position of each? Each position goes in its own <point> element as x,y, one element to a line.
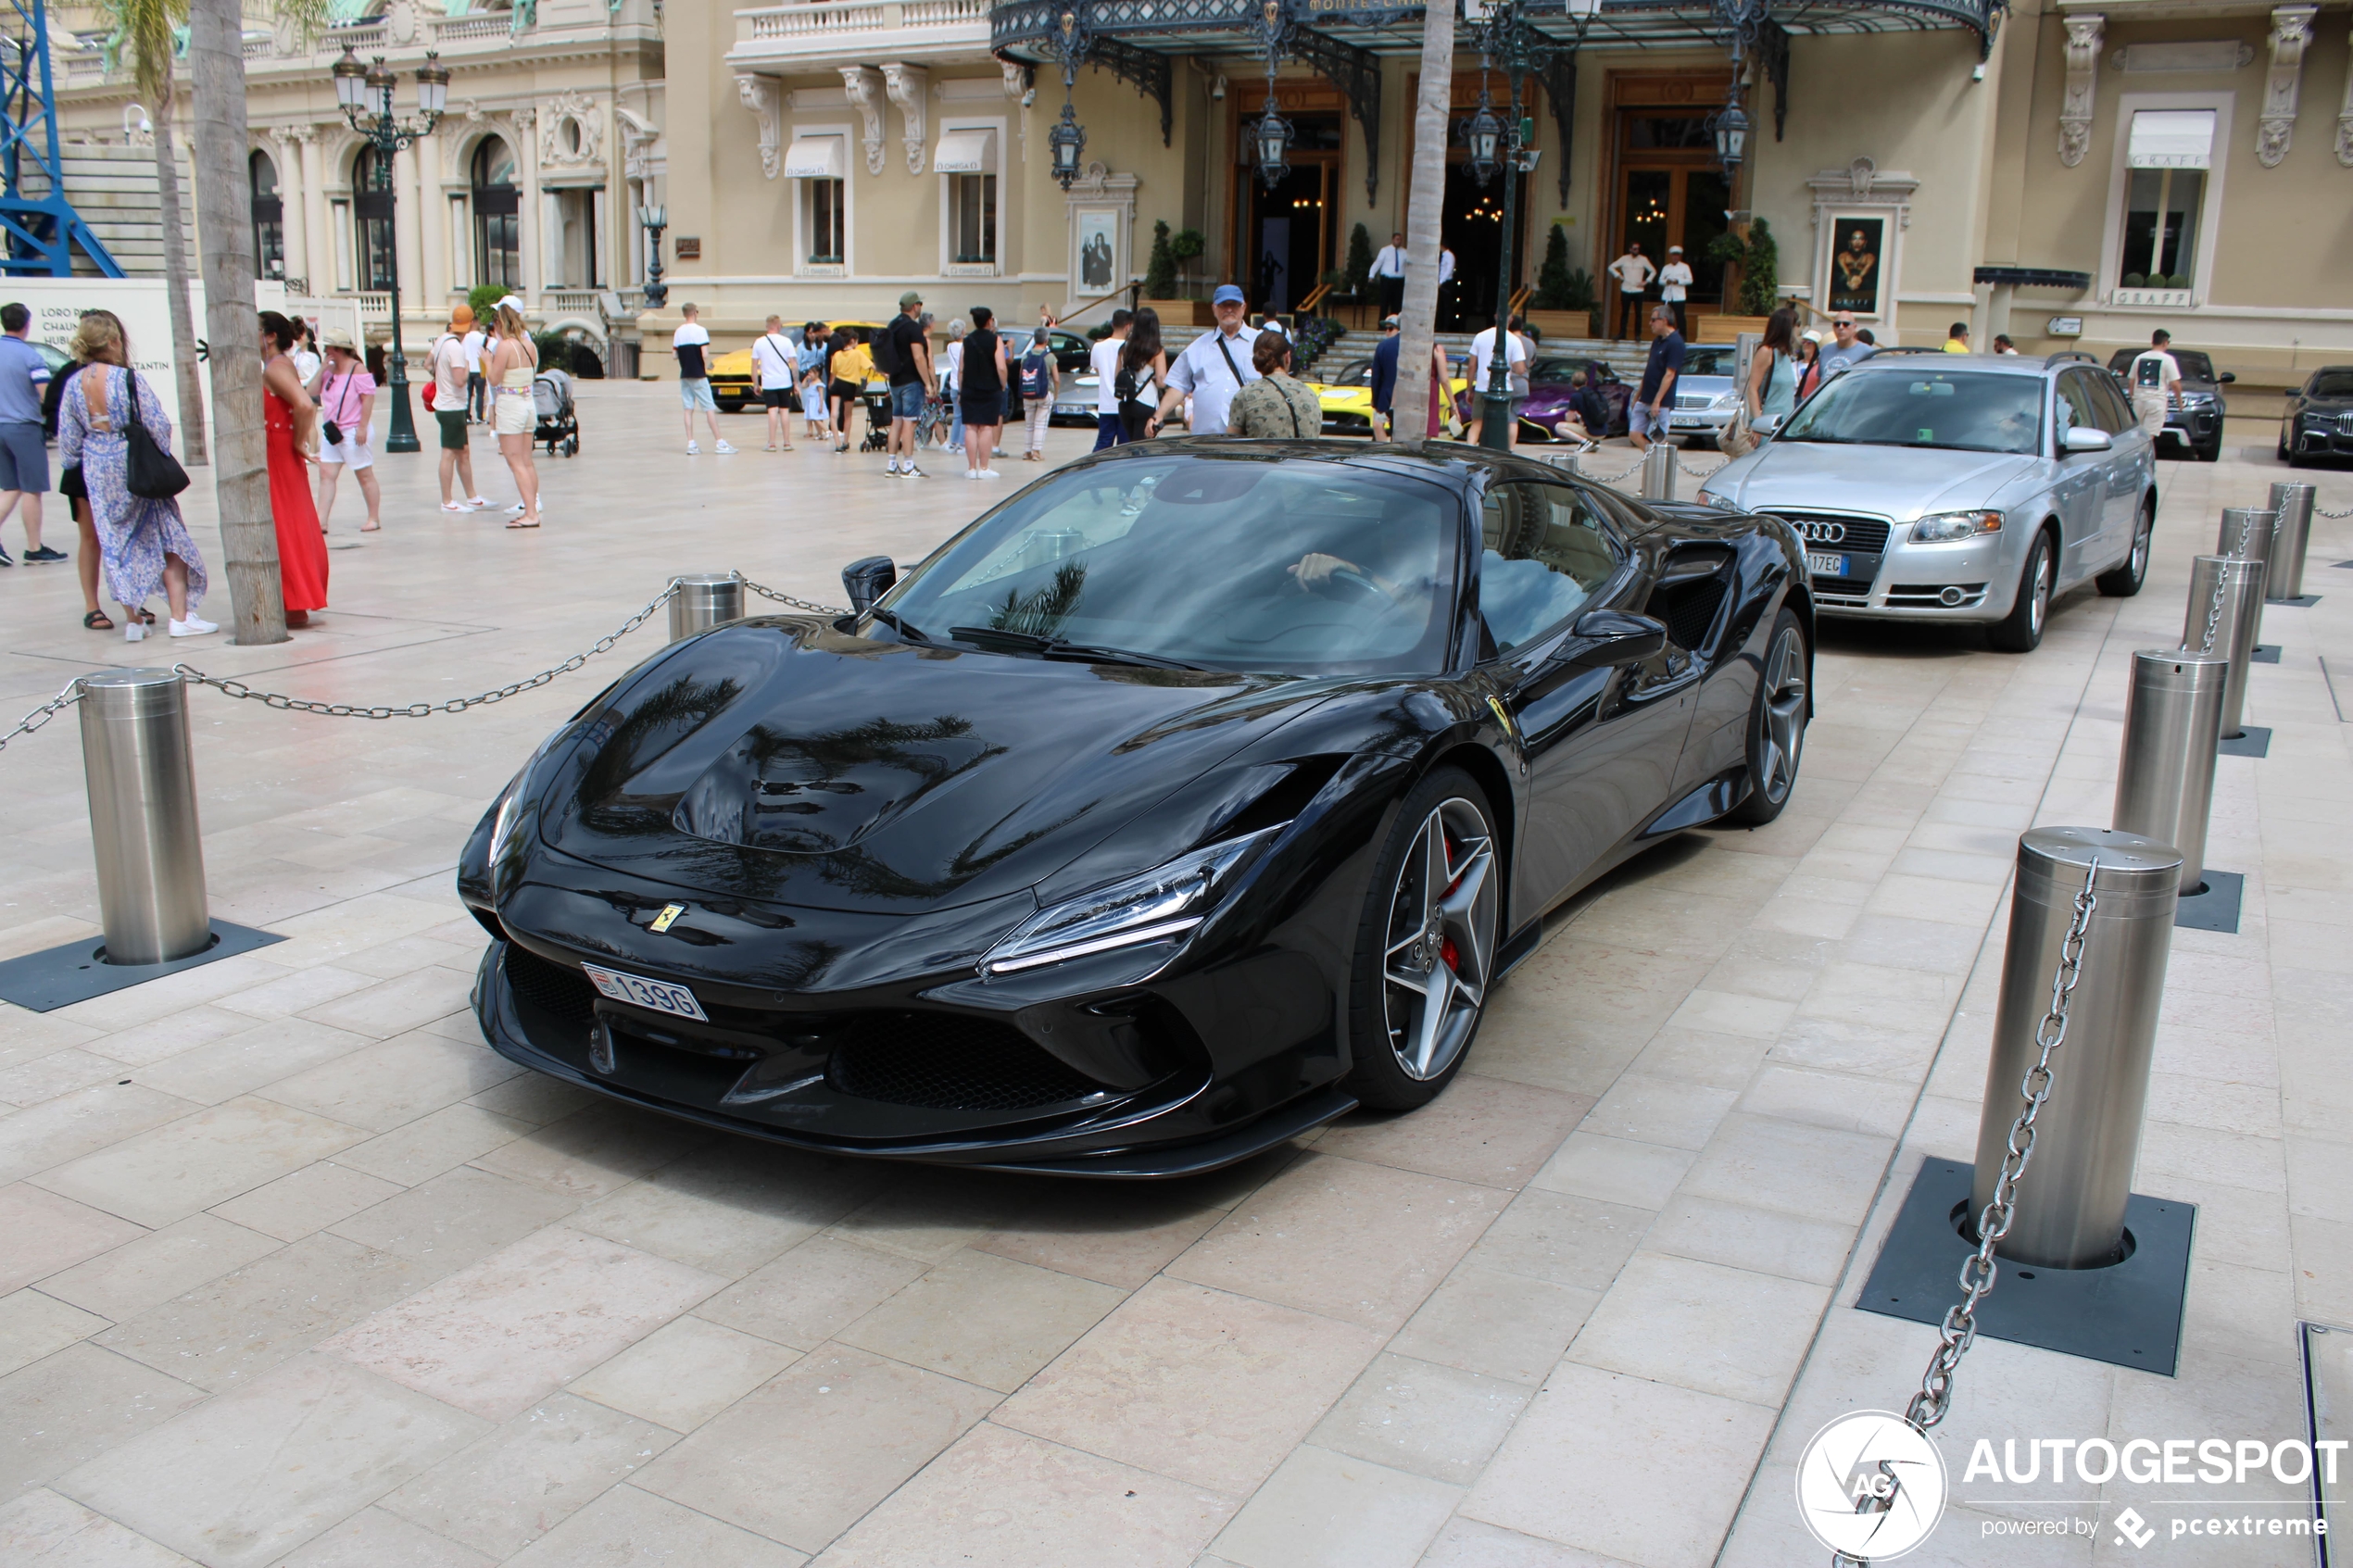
<point>355,85</point>
<point>1501,145</point>
<point>1066,143</point>
<point>654,219</point>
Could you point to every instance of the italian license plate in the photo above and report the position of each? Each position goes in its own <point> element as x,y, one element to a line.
<point>1826,566</point>
<point>657,996</point>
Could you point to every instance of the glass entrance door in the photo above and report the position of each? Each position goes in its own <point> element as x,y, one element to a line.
<point>1287,238</point>
<point>1669,193</point>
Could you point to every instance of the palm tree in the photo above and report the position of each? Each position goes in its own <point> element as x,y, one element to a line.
<point>147,32</point>
<point>1417,317</point>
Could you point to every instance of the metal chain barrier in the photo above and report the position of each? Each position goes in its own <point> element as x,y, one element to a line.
<point>1695,473</point>
<point>2214,610</point>
<point>1613,478</point>
<point>1958,1331</point>
<point>766,592</point>
<point>46,711</point>
<point>2325,512</point>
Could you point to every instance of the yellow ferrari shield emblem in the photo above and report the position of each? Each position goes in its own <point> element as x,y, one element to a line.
<point>668,913</point>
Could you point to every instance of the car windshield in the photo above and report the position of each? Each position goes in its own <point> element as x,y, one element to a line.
<point>1904,406</point>
<point>1290,566</point>
<point>2331,384</point>
<point>2194,366</point>
<point>1707,361</point>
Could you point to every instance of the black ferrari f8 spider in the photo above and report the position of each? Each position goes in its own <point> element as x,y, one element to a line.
<point>1197,793</point>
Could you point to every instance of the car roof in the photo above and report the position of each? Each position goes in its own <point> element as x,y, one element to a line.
<point>2005,364</point>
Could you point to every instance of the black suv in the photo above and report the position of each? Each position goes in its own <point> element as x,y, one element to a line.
<point>2319,418</point>
<point>2196,419</point>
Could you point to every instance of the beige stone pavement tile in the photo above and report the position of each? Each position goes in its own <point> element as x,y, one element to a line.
<point>1705,1326</point>
<point>985,1319</point>
<point>1815,1173</point>
<point>46,1233</point>
<point>42,1136</point>
<point>254,1472</point>
<point>1659,1110</point>
<point>929,1213</point>
<point>685,1372</point>
<point>160,998</point>
<point>394,1082</point>
<point>44,1530</point>
<point>1115,1232</point>
<point>811,1293</point>
<point>803,1458</point>
<point>1840,1101</point>
<point>1637,1176</point>
<point>159,1040</point>
<point>1563,1239</point>
<point>58,1072</point>
<point>74,1405</point>
<point>33,1325</point>
<point>395,1006</point>
<point>158,1266</point>
<point>512,1328</point>
<point>1433,1421</point>
<point>455,1219</point>
<point>372,1538</point>
<point>1630,1469</point>
<point>229,1329</point>
<point>529,1476</point>
<point>532,1099</point>
<point>298,992</point>
<point>1716,1062</point>
<point>433,1144</point>
<point>1724,1013</point>
<point>1466,1543</point>
<point>1483,1130</point>
<point>389,960</point>
<point>1496,1324</point>
<point>1864,1050</point>
<point>2169,1149</point>
<point>999,1499</point>
<point>202,1159</point>
<point>1209,1387</point>
<point>1325,1510</point>
<point>1366,1243</point>
<point>240,1063</point>
<point>629,1528</point>
<point>595,1152</point>
<point>309,1200</point>
<point>27,1036</point>
<point>734,1205</point>
<point>353,925</point>
<point>1754,1239</point>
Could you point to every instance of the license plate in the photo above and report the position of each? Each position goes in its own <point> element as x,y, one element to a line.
<point>656,996</point>
<point>1826,566</point>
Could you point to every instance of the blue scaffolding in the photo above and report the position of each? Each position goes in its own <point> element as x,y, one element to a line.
<point>37,233</point>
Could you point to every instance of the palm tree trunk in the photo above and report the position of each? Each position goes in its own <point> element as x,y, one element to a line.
<point>176,277</point>
<point>1417,317</point>
<point>224,231</point>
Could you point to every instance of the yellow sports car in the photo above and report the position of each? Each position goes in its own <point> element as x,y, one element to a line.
<point>733,383</point>
<point>1347,397</point>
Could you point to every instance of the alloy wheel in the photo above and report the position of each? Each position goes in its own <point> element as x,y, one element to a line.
<point>1436,963</point>
<point>2040,604</point>
<point>2145,529</point>
<point>1784,699</point>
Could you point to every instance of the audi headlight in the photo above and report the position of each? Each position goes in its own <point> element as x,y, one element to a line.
<point>1163,904</point>
<point>1721,502</point>
<point>1946,528</point>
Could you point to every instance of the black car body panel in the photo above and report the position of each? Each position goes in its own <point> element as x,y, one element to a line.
<point>2319,417</point>
<point>822,832</point>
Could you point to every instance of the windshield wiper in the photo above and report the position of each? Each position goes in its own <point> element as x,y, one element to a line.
<point>890,618</point>
<point>1058,648</point>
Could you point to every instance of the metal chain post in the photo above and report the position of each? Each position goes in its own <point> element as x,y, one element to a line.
<point>788,599</point>
<point>2222,579</point>
<point>46,711</point>
<point>1979,1270</point>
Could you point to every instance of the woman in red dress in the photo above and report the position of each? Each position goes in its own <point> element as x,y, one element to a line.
<point>293,422</point>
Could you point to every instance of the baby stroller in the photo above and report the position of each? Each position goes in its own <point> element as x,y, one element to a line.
<point>551,402</point>
<point>878,438</point>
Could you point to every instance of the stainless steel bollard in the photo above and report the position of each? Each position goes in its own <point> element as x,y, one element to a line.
<point>136,758</point>
<point>703,600</point>
<point>2291,530</point>
<point>2070,1202</point>
<point>2165,783</point>
<point>1567,462</point>
<point>1658,472</point>
<point>2234,633</point>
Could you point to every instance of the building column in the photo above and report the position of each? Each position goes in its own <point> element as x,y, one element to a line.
<point>320,240</point>
<point>527,225</point>
<point>405,230</point>
<point>284,146</point>
<point>433,278</point>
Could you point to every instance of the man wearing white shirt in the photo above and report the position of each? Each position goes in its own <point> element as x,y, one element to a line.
<point>779,366</point>
<point>1449,304</point>
<point>1674,283</point>
<point>1103,360</point>
<point>477,396</point>
<point>1482,361</point>
<point>1633,271</point>
<point>1389,274</point>
<point>1213,366</point>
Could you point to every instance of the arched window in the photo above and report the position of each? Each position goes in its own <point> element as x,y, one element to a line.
<point>497,202</point>
<point>269,216</point>
<point>371,214</point>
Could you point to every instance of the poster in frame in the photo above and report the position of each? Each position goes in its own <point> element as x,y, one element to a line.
<point>1095,238</point>
<point>1859,264</point>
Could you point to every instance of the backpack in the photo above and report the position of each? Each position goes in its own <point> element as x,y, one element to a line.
<point>886,352</point>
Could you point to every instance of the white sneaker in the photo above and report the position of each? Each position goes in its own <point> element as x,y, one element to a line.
<point>988,473</point>
<point>694,449</point>
<point>193,627</point>
<point>455,507</point>
<point>479,502</point>
<point>516,509</point>
<point>135,632</point>
<point>723,449</point>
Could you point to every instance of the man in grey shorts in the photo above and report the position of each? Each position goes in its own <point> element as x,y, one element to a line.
<point>24,448</point>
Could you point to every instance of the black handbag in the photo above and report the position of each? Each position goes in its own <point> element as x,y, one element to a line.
<point>329,432</point>
<point>151,473</point>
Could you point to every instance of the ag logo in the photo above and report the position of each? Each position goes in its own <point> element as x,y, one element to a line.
<point>1870,1484</point>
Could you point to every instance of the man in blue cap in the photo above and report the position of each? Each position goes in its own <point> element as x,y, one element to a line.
<point>1213,366</point>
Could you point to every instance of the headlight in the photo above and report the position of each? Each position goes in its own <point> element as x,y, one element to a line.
<point>1725,400</point>
<point>1944,528</point>
<point>1721,502</point>
<point>2197,400</point>
<point>2320,421</point>
<point>1160,906</point>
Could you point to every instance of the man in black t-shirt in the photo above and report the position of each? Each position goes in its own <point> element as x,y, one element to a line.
<point>911,380</point>
<point>1652,412</point>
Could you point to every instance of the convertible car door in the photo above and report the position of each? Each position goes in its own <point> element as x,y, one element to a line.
<point>1600,742</point>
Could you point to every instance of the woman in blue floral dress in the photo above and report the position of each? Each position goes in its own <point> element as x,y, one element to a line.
<point>144,543</point>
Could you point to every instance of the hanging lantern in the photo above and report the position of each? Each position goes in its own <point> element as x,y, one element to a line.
<point>1730,126</point>
<point>351,81</point>
<point>433,87</point>
<point>1067,140</point>
<point>1272,136</point>
<point>1485,136</point>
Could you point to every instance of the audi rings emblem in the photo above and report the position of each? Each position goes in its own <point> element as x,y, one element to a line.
<point>1820,531</point>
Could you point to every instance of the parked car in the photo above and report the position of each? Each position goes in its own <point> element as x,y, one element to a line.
<point>1706,393</point>
<point>1935,487</point>
<point>1195,795</point>
<point>2193,417</point>
<point>734,382</point>
<point>1347,396</point>
<point>2319,422</point>
<point>1548,389</point>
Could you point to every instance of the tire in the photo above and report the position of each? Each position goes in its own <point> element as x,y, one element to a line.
<point>2021,630</point>
<point>2124,579</point>
<point>1776,724</point>
<point>1424,963</point>
<point>726,407</point>
<point>2212,454</point>
<point>2297,459</point>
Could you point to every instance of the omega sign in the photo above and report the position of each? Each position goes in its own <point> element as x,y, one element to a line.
<point>1820,531</point>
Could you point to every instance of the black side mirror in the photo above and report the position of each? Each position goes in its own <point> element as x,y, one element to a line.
<point>2226,378</point>
<point>1614,636</point>
<point>866,580</point>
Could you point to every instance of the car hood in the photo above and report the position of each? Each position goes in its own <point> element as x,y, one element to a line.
<point>783,761</point>
<point>1896,482</point>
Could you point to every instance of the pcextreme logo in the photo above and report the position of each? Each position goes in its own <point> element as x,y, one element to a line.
<point>1870,1484</point>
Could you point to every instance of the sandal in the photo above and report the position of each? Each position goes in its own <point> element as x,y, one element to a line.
<point>98,621</point>
<point>146,618</point>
